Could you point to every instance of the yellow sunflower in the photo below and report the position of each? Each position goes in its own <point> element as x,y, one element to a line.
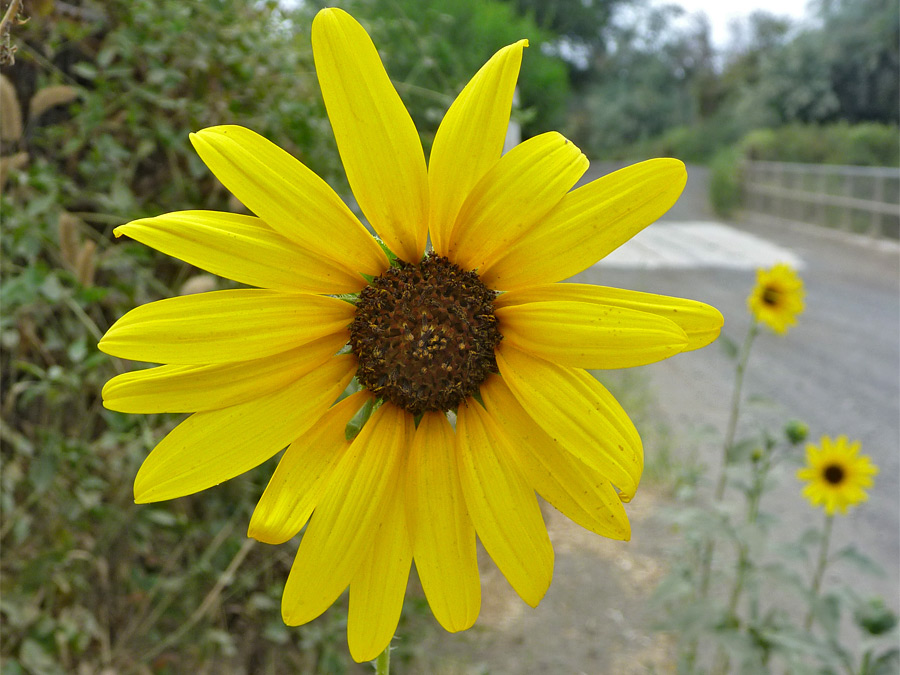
<point>777,299</point>
<point>471,356</point>
<point>836,474</point>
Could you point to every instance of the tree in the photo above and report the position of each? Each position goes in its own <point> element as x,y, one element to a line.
<point>860,41</point>
<point>431,48</point>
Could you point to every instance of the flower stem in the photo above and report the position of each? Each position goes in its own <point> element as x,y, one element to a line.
<point>743,562</point>
<point>820,570</point>
<point>383,662</point>
<point>735,405</point>
<point>706,559</point>
<point>706,554</point>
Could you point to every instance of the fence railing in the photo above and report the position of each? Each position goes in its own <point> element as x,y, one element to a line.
<point>858,199</point>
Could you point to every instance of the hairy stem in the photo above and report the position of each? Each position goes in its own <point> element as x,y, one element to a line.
<point>383,662</point>
<point>735,405</point>
<point>820,570</point>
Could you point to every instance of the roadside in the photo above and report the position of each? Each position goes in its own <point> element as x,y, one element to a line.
<point>596,617</point>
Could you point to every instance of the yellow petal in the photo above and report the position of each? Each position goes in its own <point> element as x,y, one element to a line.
<point>224,326</point>
<point>343,527</point>
<point>470,139</point>
<point>375,135</point>
<point>242,248</point>
<point>517,192</point>
<point>502,505</point>
<point>302,475</point>
<point>211,447</point>
<point>575,489</point>
<point>289,197</point>
<point>588,224</point>
<point>193,388</point>
<point>378,588</point>
<point>577,411</point>
<point>590,335</point>
<point>700,322</point>
<point>442,532</point>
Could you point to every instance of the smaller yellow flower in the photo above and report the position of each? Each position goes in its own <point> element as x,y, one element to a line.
<point>836,474</point>
<point>777,299</point>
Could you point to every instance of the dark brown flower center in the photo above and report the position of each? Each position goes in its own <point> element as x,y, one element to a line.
<point>771,295</point>
<point>834,474</point>
<point>424,335</point>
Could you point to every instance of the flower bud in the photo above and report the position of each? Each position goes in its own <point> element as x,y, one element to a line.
<point>796,432</point>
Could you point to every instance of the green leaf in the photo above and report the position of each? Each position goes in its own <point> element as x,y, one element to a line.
<point>355,425</point>
<point>865,564</point>
<point>742,450</point>
<point>886,664</point>
<point>85,70</point>
<point>728,346</point>
<point>793,641</point>
<point>42,471</point>
<point>827,612</point>
<point>33,656</point>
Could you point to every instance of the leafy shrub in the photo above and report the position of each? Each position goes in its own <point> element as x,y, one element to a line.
<point>90,582</point>
<point>862,144</point>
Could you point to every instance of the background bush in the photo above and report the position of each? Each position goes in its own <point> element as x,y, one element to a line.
<point>97,109</point>
<point>89,580</point>
<point>862,144</point>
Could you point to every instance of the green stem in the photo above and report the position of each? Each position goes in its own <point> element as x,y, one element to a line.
<point>383,662</point>
<point>744,356</point>
<point>743,563</point>
<point>820,570</point>
<point>735,405</point>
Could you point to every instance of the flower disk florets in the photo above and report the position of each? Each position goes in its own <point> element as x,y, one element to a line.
<point>834,474</point>
<point>771,296</point>
<point>424,335</point>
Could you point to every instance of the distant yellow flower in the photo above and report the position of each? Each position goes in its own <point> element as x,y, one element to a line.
<point>427,337</point>
<point>777,299</point>
<point>836,474</point>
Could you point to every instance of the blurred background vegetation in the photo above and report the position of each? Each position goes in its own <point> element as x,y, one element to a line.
<point>96,109</point>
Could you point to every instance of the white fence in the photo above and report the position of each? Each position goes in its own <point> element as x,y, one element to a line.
<point>858,199</point>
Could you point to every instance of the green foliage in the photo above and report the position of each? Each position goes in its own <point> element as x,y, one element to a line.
<point>659,89</point>
<point>737,601</point>
<point>149,73</point>
<point>580,21</point>
<point>431,49</point>
<point>864,144</point>
<point>91,582</point>
<point>642,86</point>
<point>860,42</point>
<point>755,623</point>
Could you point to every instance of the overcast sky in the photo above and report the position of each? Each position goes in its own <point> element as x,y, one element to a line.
<point>721,12</point>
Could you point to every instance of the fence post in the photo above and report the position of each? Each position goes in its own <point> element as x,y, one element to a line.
<point>876,227</point>
<point>846,221</point>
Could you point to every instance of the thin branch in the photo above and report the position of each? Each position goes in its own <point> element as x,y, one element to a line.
<point>226,578</point>
<point>11,12</point>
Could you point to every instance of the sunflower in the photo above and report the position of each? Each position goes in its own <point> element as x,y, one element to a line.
<point>465,363</point>
<point>836,474</point>
<point>777,299</point>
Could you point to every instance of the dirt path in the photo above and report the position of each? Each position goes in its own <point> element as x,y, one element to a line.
<point>595,618</point>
